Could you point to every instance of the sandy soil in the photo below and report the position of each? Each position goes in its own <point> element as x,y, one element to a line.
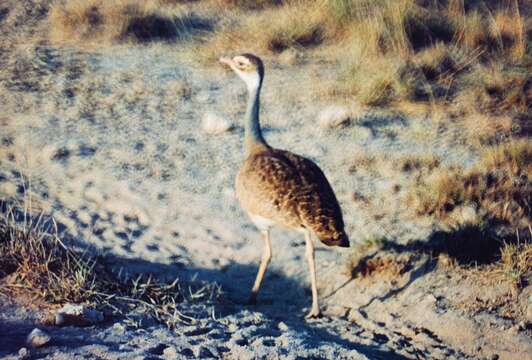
<point>110,143</point>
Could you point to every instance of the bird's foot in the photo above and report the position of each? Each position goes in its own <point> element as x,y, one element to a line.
<point>252,300</point>
<point>314,313</point>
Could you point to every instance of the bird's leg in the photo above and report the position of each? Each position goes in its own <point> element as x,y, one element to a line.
<point>266,257</point>
<point>315,310</point>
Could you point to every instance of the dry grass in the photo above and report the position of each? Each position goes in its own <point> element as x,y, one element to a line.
<point>498,188</point>
<point>516,264</point>
<point>250,4</point>
<point>98,21</point>
<point>35,262</point>
<point>485,211</point>
<point>412,51</point>
<point>370,261</point>
<point>393,51</point>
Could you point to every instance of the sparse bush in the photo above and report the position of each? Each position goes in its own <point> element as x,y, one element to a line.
<point>417,51</point>
<point>498,188</point>
<point>516,263</point>
<point>79,21</point>
<point>35,261</point>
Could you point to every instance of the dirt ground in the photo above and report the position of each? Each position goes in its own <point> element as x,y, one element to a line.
<point>110,142</point>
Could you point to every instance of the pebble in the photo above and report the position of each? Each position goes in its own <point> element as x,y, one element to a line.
<point>170,353</point>
<point>282,326</point>
<point>469,215</point>
<point>23,353</point>
<point>362,133</point>
<point>215,124</point>
<point>79,315</point>
<point>333,116</point>
<point>37,338</point>
<point>118,329</point>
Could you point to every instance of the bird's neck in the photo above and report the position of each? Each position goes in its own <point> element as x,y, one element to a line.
<point>252,131</point>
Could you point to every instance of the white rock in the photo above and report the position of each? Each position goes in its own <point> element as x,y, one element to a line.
<point>333,116</point>
<point>282,326</point>
<point>71,314</point>
<point>118,329</point>
<point>37,338</point>
<point>170,353</point>
<point>469,215</point>
<point>215,124</point>
<point>362,133</point>
<point>23,353</point>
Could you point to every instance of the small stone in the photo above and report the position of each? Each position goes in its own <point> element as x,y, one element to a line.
<point>37,338</point>
<point>333,116</point>
<point>282,326</point>
<point>118,329</point>
<point>23,353</point>
<point>362,133</point>
<point>170,353</point>
<point>469,215</point>
<point>79,315</point>
<point>215,124</point>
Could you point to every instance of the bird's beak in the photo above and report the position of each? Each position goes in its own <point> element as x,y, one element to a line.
<point>226,60</point>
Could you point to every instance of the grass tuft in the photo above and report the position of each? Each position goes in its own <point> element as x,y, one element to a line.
<point>504,192</point>
<point>98,21</point>
<point>35,262</point>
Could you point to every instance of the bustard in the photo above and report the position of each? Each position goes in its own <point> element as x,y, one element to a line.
<point>277,187</point>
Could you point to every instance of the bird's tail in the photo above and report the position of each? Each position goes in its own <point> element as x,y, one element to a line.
<point>338,239</point>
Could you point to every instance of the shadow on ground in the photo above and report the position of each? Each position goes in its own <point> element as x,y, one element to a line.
<point>282,298</point>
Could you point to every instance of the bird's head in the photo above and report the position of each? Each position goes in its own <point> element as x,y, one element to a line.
<point>248,67</point>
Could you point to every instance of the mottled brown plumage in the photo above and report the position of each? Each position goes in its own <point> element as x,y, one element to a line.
<point>277,187</point>
<point>292,192</point>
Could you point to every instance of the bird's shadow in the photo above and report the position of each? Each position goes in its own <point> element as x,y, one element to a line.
<point>282,298</point>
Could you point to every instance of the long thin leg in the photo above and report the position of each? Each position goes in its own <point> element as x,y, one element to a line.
<point>315,310</point>
<point>266,257</point>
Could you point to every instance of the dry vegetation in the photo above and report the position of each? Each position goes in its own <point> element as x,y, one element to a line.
<point>104,22</point>
<point>474,55</point>
<point>498,188</point>
<point>471,58</point>
<point>37,264</point>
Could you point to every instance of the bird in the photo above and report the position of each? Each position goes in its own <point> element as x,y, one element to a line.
<point>279,188</point>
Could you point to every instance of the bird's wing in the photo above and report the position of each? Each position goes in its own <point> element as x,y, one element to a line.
<point>317,203</point>
<point>286,187</point>
<point>267,186</point>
